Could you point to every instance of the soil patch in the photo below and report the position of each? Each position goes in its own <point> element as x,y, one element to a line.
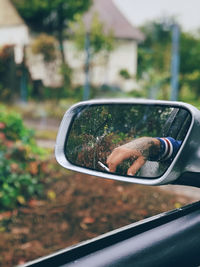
<point>77,207</point>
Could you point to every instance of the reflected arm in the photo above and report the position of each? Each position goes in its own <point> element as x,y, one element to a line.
<point>141,150</point>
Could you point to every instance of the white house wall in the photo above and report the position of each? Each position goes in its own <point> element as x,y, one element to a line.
<point>47,73</point>
<point>124,56</point>
<point>76,60</point>
<point>103,70</point>
<point>17,36</point>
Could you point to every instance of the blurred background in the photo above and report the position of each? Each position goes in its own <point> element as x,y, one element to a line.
<point>53,54</point>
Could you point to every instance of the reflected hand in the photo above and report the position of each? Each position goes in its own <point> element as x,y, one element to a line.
<point>140,149</point>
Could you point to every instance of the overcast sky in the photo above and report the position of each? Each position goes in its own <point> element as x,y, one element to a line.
<point>139,11</point>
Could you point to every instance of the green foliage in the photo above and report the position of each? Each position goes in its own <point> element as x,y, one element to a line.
<point>125,74</point>
<point>189,53</point>
<point>154,59</point>
<point>99,39</point>
<point>137,94</point>
<point>14,128</point>
<point>94,40</point>
<point>50,16</point>
<point>190,62</point>
<point>66,73</point>
<point>46,45</point>
<point>20,162</point>
<point>155,52</point>
<point>7,72</point>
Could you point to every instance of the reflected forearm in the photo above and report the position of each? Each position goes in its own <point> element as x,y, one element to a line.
<point>140,150</point>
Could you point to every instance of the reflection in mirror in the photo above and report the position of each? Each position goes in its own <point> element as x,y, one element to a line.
<point>127,139</point>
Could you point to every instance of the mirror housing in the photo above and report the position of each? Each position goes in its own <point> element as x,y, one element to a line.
<point>184,168</point>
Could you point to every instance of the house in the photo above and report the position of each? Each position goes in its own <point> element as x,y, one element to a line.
<point>13,30</point>
<point>103,72</point>
<point>124,55</point>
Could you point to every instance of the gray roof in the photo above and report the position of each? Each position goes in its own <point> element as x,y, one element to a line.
<point>113,20</point>
<point>9,15</point>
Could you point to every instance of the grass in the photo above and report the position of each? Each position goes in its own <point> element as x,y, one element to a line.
<point>46,134</point>
<point>44,109</point>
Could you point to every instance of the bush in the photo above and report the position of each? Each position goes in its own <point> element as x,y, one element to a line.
<point>46,46</point>
<point>21,162</point>
<point>125,74</point>
<point>8,77</point>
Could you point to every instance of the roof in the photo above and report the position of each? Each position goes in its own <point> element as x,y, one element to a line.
<point>113,20</point>
<point>9,15</point>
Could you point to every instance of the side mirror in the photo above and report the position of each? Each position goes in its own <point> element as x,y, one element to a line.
<point>138,141</point>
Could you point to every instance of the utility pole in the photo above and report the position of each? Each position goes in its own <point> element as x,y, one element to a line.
<point>24,80</point>
<point>175,62</point>
<point>86,92</point>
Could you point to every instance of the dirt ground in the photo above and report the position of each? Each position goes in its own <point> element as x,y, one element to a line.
<point>76,207</point>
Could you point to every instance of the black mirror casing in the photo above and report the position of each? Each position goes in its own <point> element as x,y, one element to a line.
<point>185,164</point>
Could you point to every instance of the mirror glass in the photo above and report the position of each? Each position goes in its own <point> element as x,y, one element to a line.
<point>138,140</point>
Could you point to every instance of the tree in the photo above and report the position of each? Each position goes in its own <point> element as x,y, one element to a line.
<point>99,39</point>
<point>93,40</point>
<point>45,45</point>
<point>154,59</point>
<point>51,16</point>
<point>190,62</point>
<point>155,51</point>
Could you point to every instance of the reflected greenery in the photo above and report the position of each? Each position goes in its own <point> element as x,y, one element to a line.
<point>98,129</point>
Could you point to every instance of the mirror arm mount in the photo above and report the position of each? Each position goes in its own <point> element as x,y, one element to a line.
<point>188,178</point>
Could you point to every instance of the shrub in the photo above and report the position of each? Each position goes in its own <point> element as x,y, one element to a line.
<point>46,45</point>
<point>7,73</point>
<point>125,74</point>
<point>21,162</point>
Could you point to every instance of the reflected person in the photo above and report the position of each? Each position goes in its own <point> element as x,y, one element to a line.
<point>141,150</point>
